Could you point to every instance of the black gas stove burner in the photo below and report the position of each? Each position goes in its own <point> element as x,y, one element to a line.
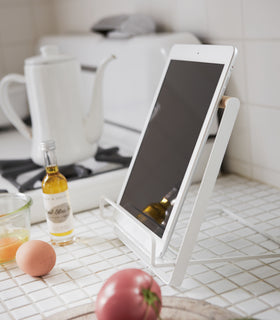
<point>111,155</point>
<point>11,169</point>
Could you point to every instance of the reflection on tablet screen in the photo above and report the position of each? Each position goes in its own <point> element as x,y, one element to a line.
<point>169,141</point>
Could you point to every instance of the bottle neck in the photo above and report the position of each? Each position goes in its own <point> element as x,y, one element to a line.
<point>171,194</point>
<point>50,161</point>
<point>165,202</point>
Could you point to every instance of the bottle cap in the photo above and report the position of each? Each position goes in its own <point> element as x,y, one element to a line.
<point>47,145</point>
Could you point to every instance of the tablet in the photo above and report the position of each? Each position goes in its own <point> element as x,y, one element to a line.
<point>176,130</point>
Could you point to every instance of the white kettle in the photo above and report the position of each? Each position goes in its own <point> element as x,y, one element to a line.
<point>53,83</point>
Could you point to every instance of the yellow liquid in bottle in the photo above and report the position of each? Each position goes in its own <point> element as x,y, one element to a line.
<point>157,210</point>
<point>55,182</point>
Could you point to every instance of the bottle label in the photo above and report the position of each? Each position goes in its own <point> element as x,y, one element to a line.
<point>58,211</point>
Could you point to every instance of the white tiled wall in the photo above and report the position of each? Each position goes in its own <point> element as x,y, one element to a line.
<point>79,15</point>
<point>253,26</point>
<point>22,22</point>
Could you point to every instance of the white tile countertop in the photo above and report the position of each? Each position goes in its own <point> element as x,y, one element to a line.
<point>249,287</point>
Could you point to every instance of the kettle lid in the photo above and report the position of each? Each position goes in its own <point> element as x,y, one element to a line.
<point>49,55</point>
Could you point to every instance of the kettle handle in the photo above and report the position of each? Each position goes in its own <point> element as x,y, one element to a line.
<point>8,108</point>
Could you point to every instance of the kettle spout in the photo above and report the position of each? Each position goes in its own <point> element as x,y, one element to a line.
<point>94,119</point>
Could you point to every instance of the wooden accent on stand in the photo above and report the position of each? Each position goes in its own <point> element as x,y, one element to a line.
<point>223,101</point>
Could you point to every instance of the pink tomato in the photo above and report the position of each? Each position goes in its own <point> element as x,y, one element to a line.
<point>129,294</point>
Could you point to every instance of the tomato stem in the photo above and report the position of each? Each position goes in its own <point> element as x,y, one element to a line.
<point>151,299</point>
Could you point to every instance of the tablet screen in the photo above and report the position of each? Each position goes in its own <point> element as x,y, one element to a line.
<point>169,141</point>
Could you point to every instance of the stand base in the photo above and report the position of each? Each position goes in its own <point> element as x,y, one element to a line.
<point>206,245</point>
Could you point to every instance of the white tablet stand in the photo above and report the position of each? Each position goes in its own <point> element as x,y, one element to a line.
<point>172,270</point>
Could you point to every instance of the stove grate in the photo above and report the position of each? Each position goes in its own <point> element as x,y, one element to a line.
<point>11,169</point>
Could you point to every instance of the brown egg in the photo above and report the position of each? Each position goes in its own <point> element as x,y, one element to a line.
<point>36,257</point>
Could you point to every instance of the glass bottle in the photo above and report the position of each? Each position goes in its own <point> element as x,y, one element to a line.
<point>56,199</point>
<point>159,210</point>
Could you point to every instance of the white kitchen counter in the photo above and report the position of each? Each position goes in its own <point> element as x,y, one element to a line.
<point>248,287</point>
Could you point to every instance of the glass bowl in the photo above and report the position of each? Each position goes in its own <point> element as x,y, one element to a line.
<point>14,223</point>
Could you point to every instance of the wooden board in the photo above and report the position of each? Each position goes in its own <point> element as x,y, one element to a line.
<point>174,308</point>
